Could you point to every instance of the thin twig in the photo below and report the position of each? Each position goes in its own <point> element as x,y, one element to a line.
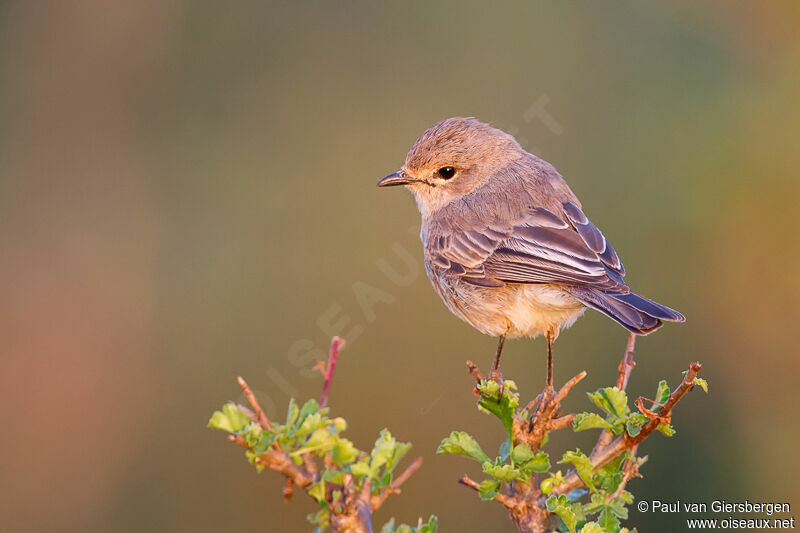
<point>263,421</point>
<point>626,366</point>
<point>377,500</point>
<point>474,371</point>
<point>337,344</point>
<point>506,500</point>
<point>568,387</point>
<point>629,471</point>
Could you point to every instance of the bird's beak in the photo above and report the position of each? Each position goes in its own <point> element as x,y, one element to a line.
<point>395,178</point>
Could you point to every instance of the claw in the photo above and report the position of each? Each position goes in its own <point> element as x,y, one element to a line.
<point>497,377</point>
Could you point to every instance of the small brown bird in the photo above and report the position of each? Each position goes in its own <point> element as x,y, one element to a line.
<point>507,246</point>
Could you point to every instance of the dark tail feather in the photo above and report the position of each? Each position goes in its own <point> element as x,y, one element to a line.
<point>636,313</point>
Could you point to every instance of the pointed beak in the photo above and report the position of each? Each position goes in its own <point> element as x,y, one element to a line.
<point>395,178</point>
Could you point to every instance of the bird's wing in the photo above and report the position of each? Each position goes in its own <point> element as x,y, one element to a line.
<point>540,247</point>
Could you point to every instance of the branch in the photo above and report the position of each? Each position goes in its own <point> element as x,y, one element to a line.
<point>348,505</point>
<point>376,500</point>
<point>261,417</point>
<point>602,456</point>
<point>507,501</point>
<point>337,345</point>
<point>626,366</point>
<point>546,418</point>
<point>524,499</point>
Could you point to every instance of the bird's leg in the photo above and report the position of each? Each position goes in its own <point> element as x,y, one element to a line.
<point>549,393</point>
<point>495,372</point>
<point>550,336</point>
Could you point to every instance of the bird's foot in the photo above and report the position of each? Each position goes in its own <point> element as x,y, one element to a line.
<point>546,401</point>
<point>497,377</point>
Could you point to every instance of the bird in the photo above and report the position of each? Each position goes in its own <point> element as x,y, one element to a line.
<point>506,243</point>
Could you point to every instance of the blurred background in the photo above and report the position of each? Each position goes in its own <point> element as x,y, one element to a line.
<point>187,194</point>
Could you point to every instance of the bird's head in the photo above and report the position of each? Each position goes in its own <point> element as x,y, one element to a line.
<point>452,158</point>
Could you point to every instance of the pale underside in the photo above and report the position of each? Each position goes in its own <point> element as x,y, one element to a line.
<point>519,310</point>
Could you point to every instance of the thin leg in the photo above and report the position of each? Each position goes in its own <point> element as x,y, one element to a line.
<point>548,393</point>
<point>550,336</point>
<point>495,373</point>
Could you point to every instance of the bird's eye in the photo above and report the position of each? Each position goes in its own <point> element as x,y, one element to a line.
<point>446,172</point>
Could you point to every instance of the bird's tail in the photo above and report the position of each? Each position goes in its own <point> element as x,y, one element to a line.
<point>636,313</point>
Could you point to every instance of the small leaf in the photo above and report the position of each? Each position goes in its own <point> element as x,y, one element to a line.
<point>662,394</point>
<point>503,407</point>
<point>608,520</point>
<point>360,468</point>
<point>489,489</point>
<point>344,452</point>
<point>703,384</point>
<point>582,465</point>
<point>584,421</point>
<point>230,419</point>
<point>382,451</point>
<point>634,423</point>
<point>462,443</point>
<point>400,450</point>
<point>540,463</point>
<point>522,454</point>
<point>317,491</point>
<point>564,509</point>
<point>592,527</point>
<point>505,473</point>
<point>666,429</point>
<point>292,413</point>
<point>611,400</point>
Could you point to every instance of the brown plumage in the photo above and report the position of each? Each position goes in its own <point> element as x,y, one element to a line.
<point>507,245</point>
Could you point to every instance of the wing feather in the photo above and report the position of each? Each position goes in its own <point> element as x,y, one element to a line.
<point>540,247</point>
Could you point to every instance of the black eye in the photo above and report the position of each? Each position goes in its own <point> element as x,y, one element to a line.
<point>446,172</point>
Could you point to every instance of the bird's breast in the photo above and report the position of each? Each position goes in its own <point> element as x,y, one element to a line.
<point>520,310</point>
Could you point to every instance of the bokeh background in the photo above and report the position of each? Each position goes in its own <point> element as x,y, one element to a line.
<point>187,194</point>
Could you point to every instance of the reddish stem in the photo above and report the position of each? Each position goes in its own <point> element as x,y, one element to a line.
<point>333,356</point>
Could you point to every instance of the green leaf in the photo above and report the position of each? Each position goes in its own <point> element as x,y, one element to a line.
<point>317,491</point>
<point>610,476</point>
<point>399,451</point>
<point>462,443</point>
<point>592,527</point>
<point>703,384</point>
<point>539,463</point>
<point>292,413</point>
<point>611,400</point>
<point>321,519</point>
<point>344,452</point>
<point>230,419</point>
<point>382,451</point>
<point>585,421</point>
<point>662,394</point>
<point>634,423</point>
<point>522,454</point>
<point>582,465</point>
<point>432,526</point>
<point>360,468</point>
<point>310,407</point>
<point>608,520</point>
<point>505,473</point>
<point>489,489</point>
<point>503,407</point>
<point>666,429</point>
<point>564,509</point>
